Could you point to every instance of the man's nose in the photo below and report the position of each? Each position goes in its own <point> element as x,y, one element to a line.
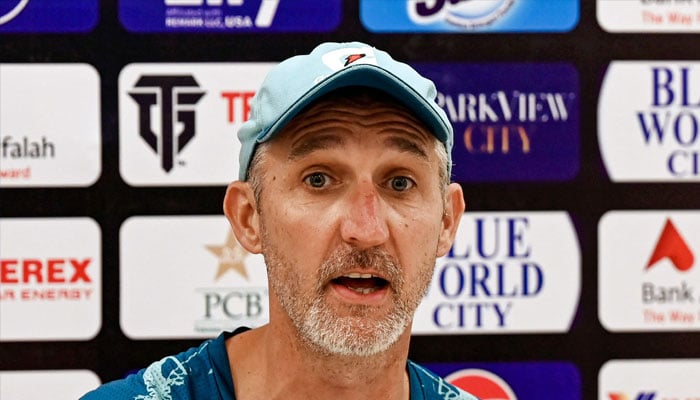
<point>364,222</point>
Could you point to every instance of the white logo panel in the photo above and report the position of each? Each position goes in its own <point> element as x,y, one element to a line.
<point>648,127</point>
<point>178,122</point>
<point>507,272</point>
<point>647,271</point>
<point>188,277</point>
<point>649,380</point>
<point>641,16</point>
<point>50,384</point>
<point>50,279</point>
<point>51,129</point>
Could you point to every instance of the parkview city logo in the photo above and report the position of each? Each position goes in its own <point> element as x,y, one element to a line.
<point>51,130</point>
<point>178,122</point>
<point>469,15</point>
<point>49,384</point>
<point>676,16</point>
<point>39,16</point>
<point>230,16</point>
<point>647,271</point>
<point>513,381</point>
<point>507,272</point>
<point>649,380</point>
<point>188,277</point>
<point>50,279</point>
<point>648,121</point>
<point>513,122</point>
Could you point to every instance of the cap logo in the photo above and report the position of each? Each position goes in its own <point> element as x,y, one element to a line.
<point>341,58</point>
<point>352,58</point>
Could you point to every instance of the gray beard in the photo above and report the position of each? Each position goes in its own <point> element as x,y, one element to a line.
<point>357,334</point>
<point>353,335</point>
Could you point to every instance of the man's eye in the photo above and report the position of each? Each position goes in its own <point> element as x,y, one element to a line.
<point>316,180</point>
<point>401,183</point>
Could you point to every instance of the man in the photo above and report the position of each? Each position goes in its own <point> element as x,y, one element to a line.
<point>344,188</point>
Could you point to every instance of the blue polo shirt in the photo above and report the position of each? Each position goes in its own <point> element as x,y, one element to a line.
<point>203,373</point>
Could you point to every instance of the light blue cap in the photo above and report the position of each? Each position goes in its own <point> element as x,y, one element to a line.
<point>298,81</point>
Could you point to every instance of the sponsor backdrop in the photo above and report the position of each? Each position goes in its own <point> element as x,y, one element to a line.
<point>574,273</point>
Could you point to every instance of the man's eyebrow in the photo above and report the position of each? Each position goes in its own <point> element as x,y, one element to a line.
<point>309,145</point>
<point>406,145</point>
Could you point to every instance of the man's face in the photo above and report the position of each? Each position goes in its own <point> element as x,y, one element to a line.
<point>351,216</point>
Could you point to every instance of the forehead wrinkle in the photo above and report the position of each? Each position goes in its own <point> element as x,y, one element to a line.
<point>310,143</point>
<point>325,124</point>
<point>406,145</point>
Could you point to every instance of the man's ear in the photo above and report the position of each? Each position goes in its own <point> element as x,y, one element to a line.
<point>242,214</point>
<point>454,208</point>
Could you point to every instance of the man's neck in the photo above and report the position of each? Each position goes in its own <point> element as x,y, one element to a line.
<point>270,363</point>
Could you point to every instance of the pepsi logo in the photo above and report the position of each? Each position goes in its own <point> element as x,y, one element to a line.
<point>481,383</point>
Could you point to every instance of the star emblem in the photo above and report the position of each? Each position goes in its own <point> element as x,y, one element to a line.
<point>231,257</point>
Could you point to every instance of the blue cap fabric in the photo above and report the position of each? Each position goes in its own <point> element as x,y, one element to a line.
<point>298,81</point>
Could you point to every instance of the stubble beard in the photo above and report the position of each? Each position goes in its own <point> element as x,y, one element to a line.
<point>355,330</point>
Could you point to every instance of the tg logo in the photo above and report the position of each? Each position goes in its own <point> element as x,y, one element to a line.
<point>176,97</point>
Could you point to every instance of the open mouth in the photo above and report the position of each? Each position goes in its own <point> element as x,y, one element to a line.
<point>361,283</point>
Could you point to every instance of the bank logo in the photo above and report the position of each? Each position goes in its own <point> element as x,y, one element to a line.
<point>513,122</point>
<point>647,121</point>
<point>230,16</point>
<point>513,380</point>
<point>178,122</point>
<point>175,97</point>
<point>680,16</point>
<point>199,280</point>
<point>505,273</point>
<point>653,379</point>
<point>50,279</point>
<point>672,246</point>
<point>469,15</point>
<point>646,275</point>
<point>38,16</point>
<point>61,150</point>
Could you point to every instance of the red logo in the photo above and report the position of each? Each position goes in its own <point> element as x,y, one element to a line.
<point>671,245</point>
<point>52,270</point>
<point>482,384</point>
<point>238,105</point>
<point>640,396</point>
<point>352,58</point>
<point>38,279</point>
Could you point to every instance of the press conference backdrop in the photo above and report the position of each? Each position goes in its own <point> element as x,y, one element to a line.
<point>573,274</point>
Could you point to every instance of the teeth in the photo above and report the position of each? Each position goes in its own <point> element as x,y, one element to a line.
<point>356,275</point>
<point>363,291</point>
